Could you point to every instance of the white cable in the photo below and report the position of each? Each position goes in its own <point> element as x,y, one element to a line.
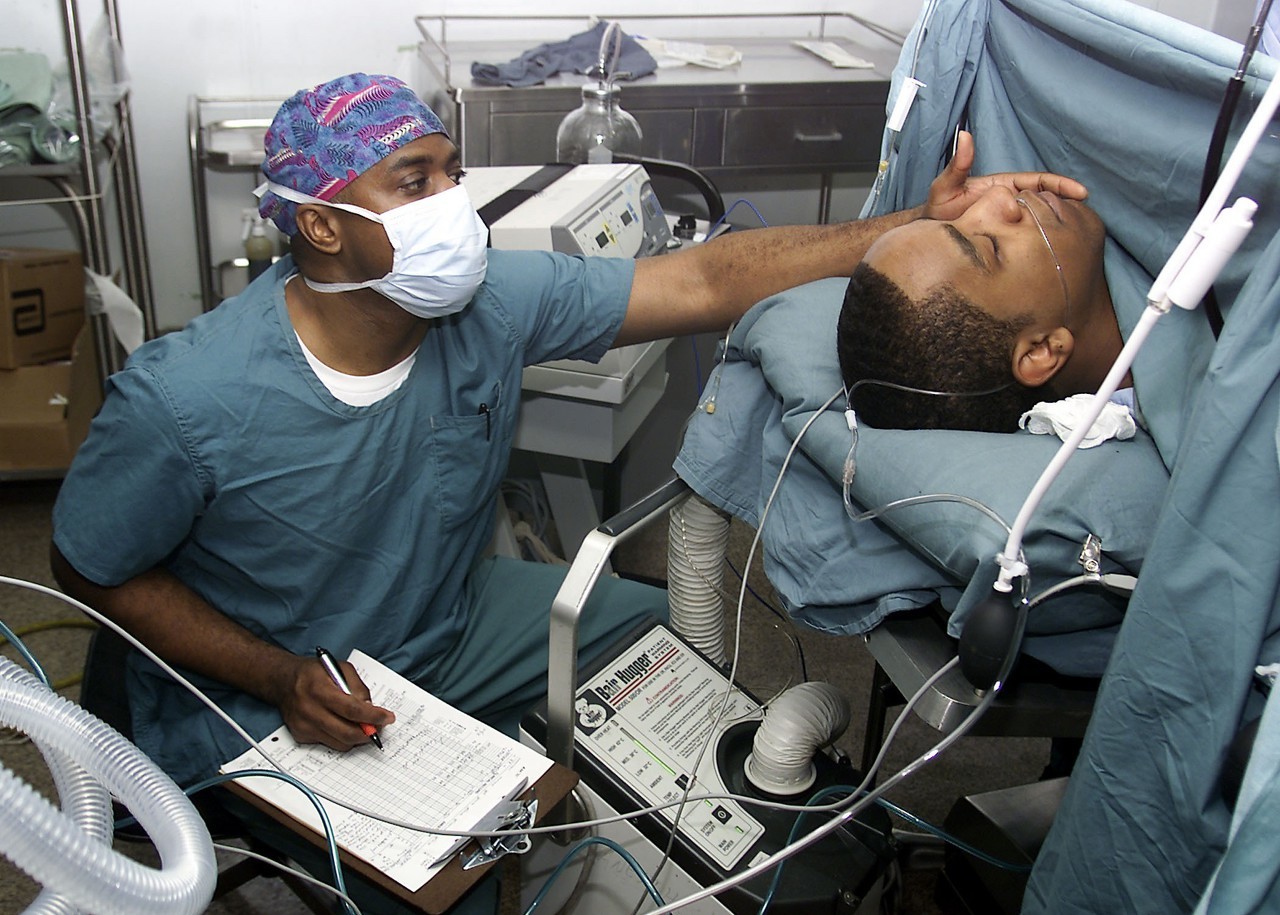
<point>293,871</point>
<point>906,771</point>
<point>417,827</point>
<point>127,788</point>
<point>1011,565</point>
<point>1112,581</point>
<point>1203,251</point>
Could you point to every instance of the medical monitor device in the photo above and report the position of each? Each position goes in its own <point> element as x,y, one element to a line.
<point>593,210</point>
<point>603,210</point>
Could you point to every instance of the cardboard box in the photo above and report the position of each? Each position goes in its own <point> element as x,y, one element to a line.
<point>45,411</point>
<point>41,305</point>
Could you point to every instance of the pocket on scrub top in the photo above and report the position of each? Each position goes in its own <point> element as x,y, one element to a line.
<point>470,457</point>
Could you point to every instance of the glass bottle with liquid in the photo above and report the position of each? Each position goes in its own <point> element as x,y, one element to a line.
<point>597,129</point>
<point>259,249</point>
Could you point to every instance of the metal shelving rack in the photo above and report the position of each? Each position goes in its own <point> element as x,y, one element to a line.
<point>225,136</point>
<point>82,187</point>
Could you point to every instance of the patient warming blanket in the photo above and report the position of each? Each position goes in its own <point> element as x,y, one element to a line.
<point>1125,99</point>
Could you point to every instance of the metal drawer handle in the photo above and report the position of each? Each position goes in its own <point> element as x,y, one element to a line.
<point>833,136</point>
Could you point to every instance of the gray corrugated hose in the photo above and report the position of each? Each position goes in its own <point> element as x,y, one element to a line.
<point>796,724</point>
<point>698,538</point>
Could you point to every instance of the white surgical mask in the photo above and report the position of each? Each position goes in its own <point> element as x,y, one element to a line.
<point>441,251</point>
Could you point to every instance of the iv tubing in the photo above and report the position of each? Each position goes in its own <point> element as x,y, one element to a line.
<point>1010,567</point>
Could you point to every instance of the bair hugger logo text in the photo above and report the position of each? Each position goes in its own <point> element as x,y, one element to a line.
<point>592,711</point>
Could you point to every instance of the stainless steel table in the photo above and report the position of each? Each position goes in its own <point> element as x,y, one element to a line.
<point>782,109</point>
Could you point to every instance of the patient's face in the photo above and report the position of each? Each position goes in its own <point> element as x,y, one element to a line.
<point>996,256</point>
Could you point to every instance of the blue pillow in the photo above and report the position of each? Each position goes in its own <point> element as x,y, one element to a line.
<point>781,368</point>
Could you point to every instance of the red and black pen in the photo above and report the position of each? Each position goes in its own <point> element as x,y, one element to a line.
<point>331,667</point>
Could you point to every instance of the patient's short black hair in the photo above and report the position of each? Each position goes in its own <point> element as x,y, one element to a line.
<point>944,342</point>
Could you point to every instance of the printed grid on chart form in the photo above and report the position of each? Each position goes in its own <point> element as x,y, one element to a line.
<point>435,771</point>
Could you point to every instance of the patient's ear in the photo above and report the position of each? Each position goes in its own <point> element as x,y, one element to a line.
<point>1038,355</point>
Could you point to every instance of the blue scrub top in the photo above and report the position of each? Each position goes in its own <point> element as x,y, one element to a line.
<point>220,456</point>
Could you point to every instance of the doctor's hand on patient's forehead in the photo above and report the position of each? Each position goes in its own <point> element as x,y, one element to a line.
<point>954,191</point>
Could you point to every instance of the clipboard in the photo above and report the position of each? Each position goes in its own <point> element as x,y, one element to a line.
<point>446,887</point>
<point>440,766</point>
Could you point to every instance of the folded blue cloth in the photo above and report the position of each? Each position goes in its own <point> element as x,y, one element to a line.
<point>576,55</point>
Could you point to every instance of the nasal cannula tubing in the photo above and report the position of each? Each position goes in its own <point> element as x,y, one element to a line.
<point>1057,264</point>
<point>849,464</point>
<point>850,811</point>
<point>179,678</point>
<point>851,805</point>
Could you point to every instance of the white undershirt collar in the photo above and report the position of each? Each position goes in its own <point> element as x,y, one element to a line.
<point>359,390</point>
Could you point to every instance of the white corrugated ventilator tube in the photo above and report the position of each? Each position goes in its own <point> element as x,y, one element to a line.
<point>698,536</point>
<point>69,851</point>
<point>796,724</point>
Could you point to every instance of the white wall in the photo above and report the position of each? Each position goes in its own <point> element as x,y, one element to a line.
<point>241,48</point>
<point>1226,17</point>
<point>265,48</point>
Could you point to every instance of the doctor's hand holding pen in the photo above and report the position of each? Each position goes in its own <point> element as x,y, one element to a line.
<point>319,707</point>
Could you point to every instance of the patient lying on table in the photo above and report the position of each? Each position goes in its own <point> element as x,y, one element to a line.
<point>1007,304</point>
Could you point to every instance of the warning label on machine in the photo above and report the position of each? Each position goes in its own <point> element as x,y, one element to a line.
<point>647,716</point>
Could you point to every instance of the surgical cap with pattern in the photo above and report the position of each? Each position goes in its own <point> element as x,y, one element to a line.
<point>325,137</point>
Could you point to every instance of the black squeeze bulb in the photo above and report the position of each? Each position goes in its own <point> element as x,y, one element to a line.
<point>987,640</point>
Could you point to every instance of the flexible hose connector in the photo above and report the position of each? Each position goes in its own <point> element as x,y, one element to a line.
<point>76,864</point>
<point>85,801</point>
<point>87,804</point>
<point>796,724</point>
<point>697,541</point>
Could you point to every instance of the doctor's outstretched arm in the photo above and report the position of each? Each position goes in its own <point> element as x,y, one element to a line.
<point>709,287</point>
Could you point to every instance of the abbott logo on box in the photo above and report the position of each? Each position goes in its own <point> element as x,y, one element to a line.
<point>28,312</point>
